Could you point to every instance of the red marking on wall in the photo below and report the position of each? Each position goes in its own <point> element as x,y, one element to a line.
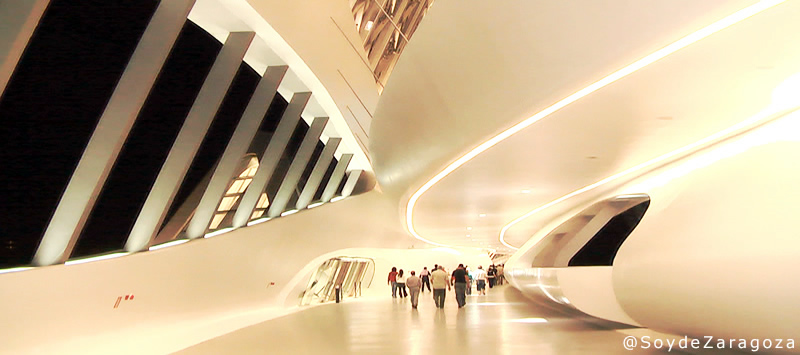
<point>121,298</point>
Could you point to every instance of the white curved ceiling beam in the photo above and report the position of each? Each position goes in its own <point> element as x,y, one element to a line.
<point>627,70</point>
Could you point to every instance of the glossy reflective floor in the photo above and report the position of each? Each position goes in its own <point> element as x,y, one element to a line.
<point>502,322</point>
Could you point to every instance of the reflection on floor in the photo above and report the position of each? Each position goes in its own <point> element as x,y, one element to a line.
<point>502,322</point>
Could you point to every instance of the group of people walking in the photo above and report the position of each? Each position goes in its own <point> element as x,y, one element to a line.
<point>439,282</point>
<point>415,284</point>
<point>495,275</point>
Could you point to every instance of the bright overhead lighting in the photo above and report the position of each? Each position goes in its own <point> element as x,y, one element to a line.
<point>316,204</point>
<point>469,235</point>
<point>482,215</point>
<point>337,198</point>
<point>526,191</point>
<point>469,228</point>
<point>611,78</point>
<point>368,26</point>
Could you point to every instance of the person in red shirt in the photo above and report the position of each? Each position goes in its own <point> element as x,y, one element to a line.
<point>393,281</point>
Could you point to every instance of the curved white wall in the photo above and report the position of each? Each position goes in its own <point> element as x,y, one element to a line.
<point>714,253</point>
<point>198,290</point>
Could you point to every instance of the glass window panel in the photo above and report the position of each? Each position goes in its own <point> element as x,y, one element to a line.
<point>409,22</point>
<point>263,201</point>
<point>359,9</point>
<point>384,66</point>
<point>367,17</point>
<point>216,221</point>
<point>227,203</point>
<point>384,27</point>
<point>257,213</point>
<point>245,184</point>
<point>235,187</point>
<point>378,38</point>
<point>250,171</point>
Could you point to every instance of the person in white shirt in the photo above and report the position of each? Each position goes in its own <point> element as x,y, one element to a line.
<point>414,285</point>
<point>441,283</point>
<point>480,278</point>
<point>401,284</point>
<point>425,276</point>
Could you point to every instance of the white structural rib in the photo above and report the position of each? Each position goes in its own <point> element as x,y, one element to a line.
<point>18,19</point>
<point>112,129</point>
<point>350,184</point>
<point>269,161</point>
<point>336,177</point>
<point>237,147</point>
<point>180,157</point>
<point>312,185</point>
<point>299,164</point>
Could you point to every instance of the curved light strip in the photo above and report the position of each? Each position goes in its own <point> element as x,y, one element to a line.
<point>15,269</point>
<point>619,74</point>
<point>168,244</point>
<point>764,115</point>
<point>96,258</point>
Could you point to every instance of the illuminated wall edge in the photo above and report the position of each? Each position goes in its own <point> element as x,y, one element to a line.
<point>611,78</point>
<point>718,235</point>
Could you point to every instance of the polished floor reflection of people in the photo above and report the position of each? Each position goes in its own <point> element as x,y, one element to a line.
<point>502,322</point>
